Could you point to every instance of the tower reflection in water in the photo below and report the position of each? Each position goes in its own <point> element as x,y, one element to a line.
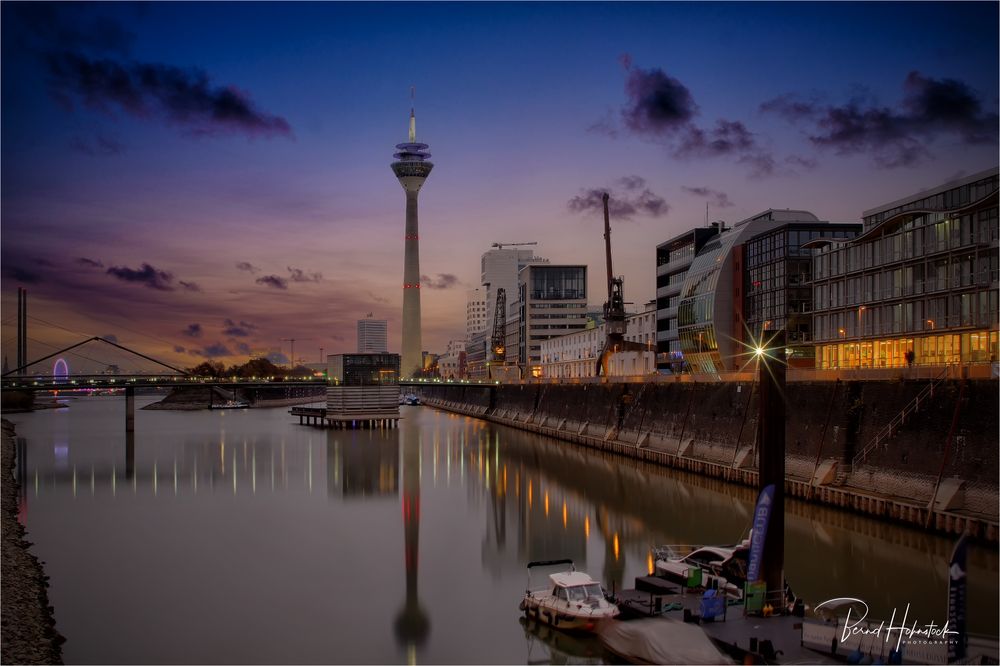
<point>412,624</point>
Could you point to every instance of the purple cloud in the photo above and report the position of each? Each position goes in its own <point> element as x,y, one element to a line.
<point>637,199</point>
<point>147,275</point>
<point>273,281</point>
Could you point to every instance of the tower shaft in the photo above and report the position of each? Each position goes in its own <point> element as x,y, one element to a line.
<point>412,357</point>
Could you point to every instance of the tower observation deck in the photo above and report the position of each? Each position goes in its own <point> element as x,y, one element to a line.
<point>411,168</point>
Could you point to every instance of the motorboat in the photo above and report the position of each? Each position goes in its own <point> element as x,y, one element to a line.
<point>721,567</point>
<point>573,601</point>
<point>409,399</point>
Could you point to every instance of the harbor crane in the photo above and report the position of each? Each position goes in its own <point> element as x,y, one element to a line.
<point>498,345</point>
<point>501,246</point>
<point>614,307</point>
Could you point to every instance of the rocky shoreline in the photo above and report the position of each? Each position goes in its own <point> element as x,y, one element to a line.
<point>28,630</point>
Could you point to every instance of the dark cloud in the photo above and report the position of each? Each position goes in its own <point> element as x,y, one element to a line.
<point>894,136</point>
<point>91,263</point>
<point>216,350</point>
<point>110,337</point>
<point>657,103</point>
<point>192,331</point>
<point>717,198</point>
<point>238,330</point>
<point>375,297</point>
<point>299,275</point>
<point>101,145</point>
<point>143,90</point>
<point>636,200</point>
<point>443,281</point>
<point>658,107</point>
<point>146,275</point>
<point>246,266</point>
<point>178,349</point>
<point>243,348</point>
<point>189,286</point>
<point>273,281</point>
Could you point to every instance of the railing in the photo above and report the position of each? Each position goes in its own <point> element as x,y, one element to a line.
<point>898,420</point>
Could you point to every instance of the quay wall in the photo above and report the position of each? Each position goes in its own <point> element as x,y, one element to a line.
<point>711,428</point>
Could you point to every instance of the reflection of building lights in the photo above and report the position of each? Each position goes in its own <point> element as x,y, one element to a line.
<point>565,515</point>
<point>649,563</point>
<point>616,546</point>
<point>586,526</point>
<point>529,493</point>
<point>546,504</point>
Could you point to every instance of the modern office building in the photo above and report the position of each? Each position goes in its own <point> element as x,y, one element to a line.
<point>411,168</point>
<point>710,320</point>
<point>500,269</point>
<point>475,355</point>
<point>372,335</point>
<point>673,259</point>
<point>777,276</point>
<point>575,355</point>
<point>919,285</point>
<point>552,301</point>
<point>475,312</point>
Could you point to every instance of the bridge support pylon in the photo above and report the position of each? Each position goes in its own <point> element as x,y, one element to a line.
<point>130,409</point>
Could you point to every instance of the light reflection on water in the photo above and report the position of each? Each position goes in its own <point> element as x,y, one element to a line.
<point>240,536</point>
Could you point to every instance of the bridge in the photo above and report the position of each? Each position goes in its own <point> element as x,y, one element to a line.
<point>34,377</point>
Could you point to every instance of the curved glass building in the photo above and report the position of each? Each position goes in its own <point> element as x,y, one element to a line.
<point>709,319</point>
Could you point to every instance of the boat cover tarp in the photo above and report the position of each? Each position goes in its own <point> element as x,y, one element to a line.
<point>660,640</point>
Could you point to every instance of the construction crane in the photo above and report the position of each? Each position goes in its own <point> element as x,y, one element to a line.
<point>497,342</point>
<point>614,307</point>
<point>501,246</point>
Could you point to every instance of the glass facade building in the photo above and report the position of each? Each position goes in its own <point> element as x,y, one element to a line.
<point>918,286</point>
<point>711,324</point>
<point>777,272</point>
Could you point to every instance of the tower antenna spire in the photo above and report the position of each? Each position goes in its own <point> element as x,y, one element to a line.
<point>413,118</point>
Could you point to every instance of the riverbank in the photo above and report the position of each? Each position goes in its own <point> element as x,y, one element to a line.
<point>709,429</point>
<point>190,398</point>
<point>28,631</point>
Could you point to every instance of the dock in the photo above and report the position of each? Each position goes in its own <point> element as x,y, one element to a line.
<point>323,418</point>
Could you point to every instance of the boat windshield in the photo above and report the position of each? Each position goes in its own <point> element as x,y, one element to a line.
<point>583,592</point>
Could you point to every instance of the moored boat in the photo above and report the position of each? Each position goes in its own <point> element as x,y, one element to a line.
<point>573,602</point>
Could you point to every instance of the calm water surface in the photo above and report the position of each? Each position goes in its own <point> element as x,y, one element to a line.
<point>243,537</point>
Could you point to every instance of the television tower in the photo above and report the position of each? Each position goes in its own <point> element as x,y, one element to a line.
<point>411,168</point>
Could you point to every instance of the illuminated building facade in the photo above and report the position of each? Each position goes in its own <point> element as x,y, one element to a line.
<point>777,272</point>
<point>918,286</point>
<point>710,322</point>
<point>574,355</point>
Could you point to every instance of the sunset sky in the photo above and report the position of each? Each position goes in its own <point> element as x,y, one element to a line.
<point>203,180</point>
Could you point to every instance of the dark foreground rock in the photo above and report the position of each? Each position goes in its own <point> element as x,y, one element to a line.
<point>27,628</point>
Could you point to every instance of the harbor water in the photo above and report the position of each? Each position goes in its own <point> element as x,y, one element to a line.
<point>239,536</point>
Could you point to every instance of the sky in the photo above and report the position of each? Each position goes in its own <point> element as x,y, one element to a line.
<point>200,181</point>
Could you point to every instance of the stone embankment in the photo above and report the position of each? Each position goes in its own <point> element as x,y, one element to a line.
<point>934,468</point>
<point>28,633</point>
